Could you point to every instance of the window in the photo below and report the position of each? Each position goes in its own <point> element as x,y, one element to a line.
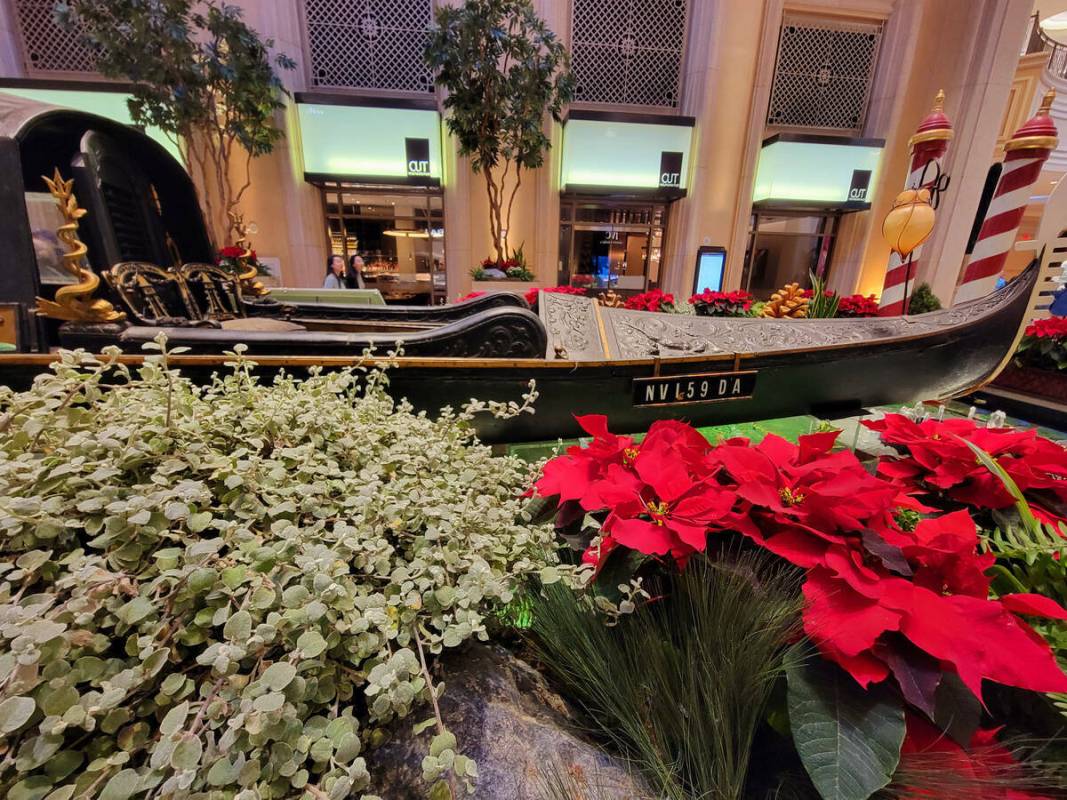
<point>400,236</point>
<point>628,52</point>
<point>46,47</point>
<point>368,44</point>
<point>824,72</point>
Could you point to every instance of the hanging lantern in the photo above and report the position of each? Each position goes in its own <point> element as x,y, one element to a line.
<point>910,222</point>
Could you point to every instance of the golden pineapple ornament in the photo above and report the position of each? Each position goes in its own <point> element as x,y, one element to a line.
<point>788,302</point>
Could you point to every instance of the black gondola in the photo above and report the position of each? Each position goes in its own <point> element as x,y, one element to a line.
<point>634,366</point>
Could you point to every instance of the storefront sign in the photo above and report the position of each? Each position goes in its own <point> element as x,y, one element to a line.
<point>369,144</point>
<point>670,169</point>
<point>418,154</point>
<point>606,153</point>
<point>801,171</point>
<point>112,105</point>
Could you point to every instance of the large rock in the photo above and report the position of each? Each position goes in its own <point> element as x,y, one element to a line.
<point>515,727</point>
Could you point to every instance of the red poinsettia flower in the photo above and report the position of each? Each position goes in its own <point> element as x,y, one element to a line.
<point>937,460</point>
<point>856,305</point>
<point>722,304</point>
<point>652,300</point>
<point>852,603</point>
<point>804,497</point>
<point>1048,328</point>
<point>673,507</point>
<point>231,251</point>
<point>578,474</point>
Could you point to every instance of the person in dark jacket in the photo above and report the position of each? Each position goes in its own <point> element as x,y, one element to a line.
<point>354,273</point>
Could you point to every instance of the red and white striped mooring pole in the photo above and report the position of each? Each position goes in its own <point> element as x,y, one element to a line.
<point>1026,153</point>
<point>928,147</point>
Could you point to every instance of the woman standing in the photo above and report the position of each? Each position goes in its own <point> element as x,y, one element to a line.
<point>335,273</point>
<point>354,273</point>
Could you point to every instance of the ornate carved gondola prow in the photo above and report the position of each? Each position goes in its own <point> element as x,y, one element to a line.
<point>249,285</point>
<point>74,303</point>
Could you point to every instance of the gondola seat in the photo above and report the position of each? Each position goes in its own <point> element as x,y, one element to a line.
<point>196,295</point>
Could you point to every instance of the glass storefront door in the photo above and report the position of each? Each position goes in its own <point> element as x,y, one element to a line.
<point>611,245</point>
<point>786,247</point>
<point>399,234</point>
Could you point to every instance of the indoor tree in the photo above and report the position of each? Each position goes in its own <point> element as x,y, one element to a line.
<point>503,70</point>
<point>201,75</point>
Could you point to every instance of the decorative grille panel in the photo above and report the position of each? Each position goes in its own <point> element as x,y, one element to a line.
<point>628,52</point>
<point>46,47</point>
<point>824,73</point>
<point>369,44</point>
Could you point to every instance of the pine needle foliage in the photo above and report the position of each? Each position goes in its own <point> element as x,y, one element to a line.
<point>680,687</point>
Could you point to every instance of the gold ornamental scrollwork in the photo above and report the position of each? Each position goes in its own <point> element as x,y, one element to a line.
<point>248,278</point>
<point>74,303</point>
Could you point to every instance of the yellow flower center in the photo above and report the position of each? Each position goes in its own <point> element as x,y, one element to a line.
<point>658,511</point>
<point>791,498</point>
<point>629,455</point>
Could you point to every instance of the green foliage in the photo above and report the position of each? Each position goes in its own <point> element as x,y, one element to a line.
<point>848,737</point>
<point>1031,558</point>
<point>226,591</point>
<point>923,300</point>
<point>823,304</point>
<point>502,69</point>
<point>199,73</point>
<point>679,685</point>
<point>183,57</point>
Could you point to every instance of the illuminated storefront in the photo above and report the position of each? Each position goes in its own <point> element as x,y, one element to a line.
<point>93,98</point>
<point>619,174</point>
<point>803,185</point>
<point>380,171</point>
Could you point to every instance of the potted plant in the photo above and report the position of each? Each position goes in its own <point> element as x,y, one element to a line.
<point>1040,365</point>
<point>722,304</point>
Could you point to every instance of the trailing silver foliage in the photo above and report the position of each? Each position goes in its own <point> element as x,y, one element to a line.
<point>226,591</point>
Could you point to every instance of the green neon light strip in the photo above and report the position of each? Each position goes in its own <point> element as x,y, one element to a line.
<point>357,140</point>
<point>620,154</point>
<point>811,172</point>
<point>104,104</point>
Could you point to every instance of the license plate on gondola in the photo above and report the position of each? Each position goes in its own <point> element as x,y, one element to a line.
<point>682,389</point>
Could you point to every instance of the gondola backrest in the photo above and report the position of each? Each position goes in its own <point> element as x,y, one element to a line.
<point>151,295</point>
<point>215,292</point>
<point>123,223</point>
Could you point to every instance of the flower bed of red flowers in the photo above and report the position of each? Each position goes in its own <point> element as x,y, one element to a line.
<point>531,294</point>
<point>857,305</point>
<point>1044,344</point>
<point>722,304</point>
<point>897,590</point>
<point>652,300</point>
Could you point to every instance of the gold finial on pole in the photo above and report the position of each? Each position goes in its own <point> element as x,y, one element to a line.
<point>939,101</point>
<point>74,303</point>
<point>1046,102</point>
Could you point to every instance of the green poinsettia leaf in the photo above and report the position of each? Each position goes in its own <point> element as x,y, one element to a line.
<point>848,738</point>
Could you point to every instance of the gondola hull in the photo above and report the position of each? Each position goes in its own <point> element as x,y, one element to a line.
<point>826,381</point>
